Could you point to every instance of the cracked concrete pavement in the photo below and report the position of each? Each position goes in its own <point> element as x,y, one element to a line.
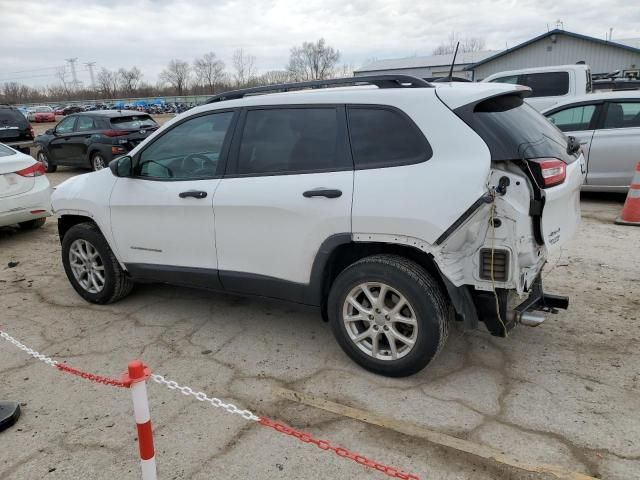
<point>566,393</point>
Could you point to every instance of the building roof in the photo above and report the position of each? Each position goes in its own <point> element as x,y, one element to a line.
<point>632,42</point>
<point>555,32</point>
<point>465,58</point>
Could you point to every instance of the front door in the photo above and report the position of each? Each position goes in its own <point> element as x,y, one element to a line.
<point>288,189</point>
<point>162,216</point>
<point>61,147</point>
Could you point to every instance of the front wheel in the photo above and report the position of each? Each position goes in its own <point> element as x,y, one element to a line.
<point>98,162</point>
<point>43,158</point>
<point>388,314</point>
<point>91,266</point>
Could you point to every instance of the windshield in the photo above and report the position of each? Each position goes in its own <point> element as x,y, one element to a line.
<point>134,122</point>
<point>513,130</point>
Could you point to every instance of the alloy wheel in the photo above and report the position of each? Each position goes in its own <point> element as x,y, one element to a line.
<point>43,159</point>
<point>87,266</point>
<point>380,321</point>
<point>98,162</point>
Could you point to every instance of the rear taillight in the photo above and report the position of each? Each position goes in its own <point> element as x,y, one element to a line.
<point>548,171</point>
<point>116,133</point>
<point>35,170</point>
<point>30,130</point>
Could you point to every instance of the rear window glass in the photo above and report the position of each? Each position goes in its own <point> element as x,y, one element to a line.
<point>514,131</point>
<point>5,151</point>
<point>11,116</point>
<point>385,138</point>
<point>133,122</point>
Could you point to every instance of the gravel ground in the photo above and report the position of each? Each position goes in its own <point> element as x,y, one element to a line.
<point>566,393</point>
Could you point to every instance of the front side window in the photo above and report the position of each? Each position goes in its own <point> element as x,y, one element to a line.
<point>190,150</point>
<point>66,125</point>
<point>290,140</point>
<point>385,138</point>
<point>622,115</point>
<point>573,119</point>
<point>84,123</point>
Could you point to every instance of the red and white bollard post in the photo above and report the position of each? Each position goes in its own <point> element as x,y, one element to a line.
<point>138,375</point>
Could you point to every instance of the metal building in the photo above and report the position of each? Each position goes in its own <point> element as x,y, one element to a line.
<point>559,47</point>
<point>426,67</point>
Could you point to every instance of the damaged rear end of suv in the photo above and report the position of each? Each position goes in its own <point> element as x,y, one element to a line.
<point>494,254</point>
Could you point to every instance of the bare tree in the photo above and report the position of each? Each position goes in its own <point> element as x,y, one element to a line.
<point>313,61</point>
<point>273,77</point>
<point>61,75</point>
<point>244,66</point>
<point>107,81</point>
<point>177,75</point>
<point>343,71</point>
<point>129,79</point>
<point>209,71</point>
<point>468,44</point>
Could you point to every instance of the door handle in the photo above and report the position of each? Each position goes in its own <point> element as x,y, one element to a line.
<point>322,192</point>
<point>193,193</point>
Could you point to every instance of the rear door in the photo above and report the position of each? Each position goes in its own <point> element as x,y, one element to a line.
<point>288,189</point>
<point>615,148</point>
<point>60,148</point>
<point>79,141</point>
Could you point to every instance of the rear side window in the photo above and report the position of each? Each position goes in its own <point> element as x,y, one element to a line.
<point>548,84</point>
<point>84,124</point>
<point>381,137</point>
<point>291,140</point>
<point>5,151</point>
<point>622,115</point>
<point>573,119</point>
<point>134,122</point>
<point>513,130</point>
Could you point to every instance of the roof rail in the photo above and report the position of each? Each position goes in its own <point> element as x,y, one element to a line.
<point>381,81</point>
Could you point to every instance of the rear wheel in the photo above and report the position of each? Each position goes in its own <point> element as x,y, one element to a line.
<point>91,266</point>
<point>32,224</point>
<point>43,158</point>
<point>98,161</point>
<point>388,314</point>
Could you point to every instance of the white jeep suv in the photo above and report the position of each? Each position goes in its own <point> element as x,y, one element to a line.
<point>392,205</point>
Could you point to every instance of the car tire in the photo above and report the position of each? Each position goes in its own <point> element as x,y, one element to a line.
<point>32,224</point>
<point>43,158</point>
<point>86,238</point>
<point>418,330</point>
<point>98,162</point>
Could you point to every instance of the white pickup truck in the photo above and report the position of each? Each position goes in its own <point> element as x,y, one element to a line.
<point>549,85</point>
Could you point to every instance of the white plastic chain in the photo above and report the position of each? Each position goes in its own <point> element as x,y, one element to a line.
<point>28,350</point>
<point>216,402</point>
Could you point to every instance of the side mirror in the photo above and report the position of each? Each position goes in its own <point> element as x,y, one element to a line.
<point>121,166</point>
<point>51,131</point>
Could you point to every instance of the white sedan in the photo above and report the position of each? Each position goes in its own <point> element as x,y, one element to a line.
<point>25,193</point>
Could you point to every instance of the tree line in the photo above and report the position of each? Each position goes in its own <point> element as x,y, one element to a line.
<point>207,74</point>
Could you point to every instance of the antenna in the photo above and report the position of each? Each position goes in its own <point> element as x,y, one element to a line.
<point>90,66</point>
<point>453,62</point>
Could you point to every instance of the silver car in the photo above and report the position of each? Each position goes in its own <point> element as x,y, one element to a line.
<point>607,125</point>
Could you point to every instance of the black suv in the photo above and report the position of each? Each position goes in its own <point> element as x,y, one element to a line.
<point>92,139</point>
<point>15,129</point>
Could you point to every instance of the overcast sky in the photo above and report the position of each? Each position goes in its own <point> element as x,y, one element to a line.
<point>38,35</point>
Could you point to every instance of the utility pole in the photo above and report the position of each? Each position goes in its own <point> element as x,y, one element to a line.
<point>90,66</point>
<point>74,75</point>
